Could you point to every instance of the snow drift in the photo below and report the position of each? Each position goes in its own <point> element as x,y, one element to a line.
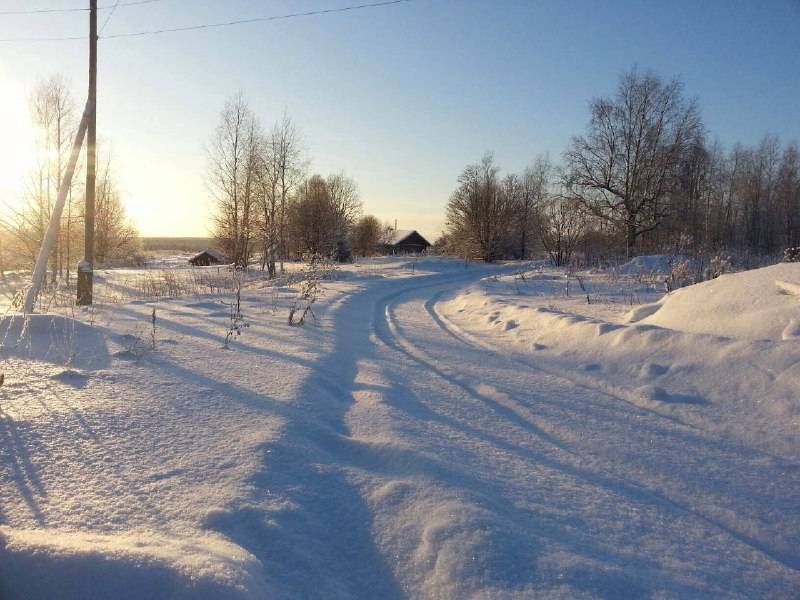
<point>46,563</point>
<point>55,339</point>
<point>649,264</point>
<point>755,305</point>
<point>721,355</point>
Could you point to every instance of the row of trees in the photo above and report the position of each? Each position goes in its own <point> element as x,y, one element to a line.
<point>252,175</point>
<point>267,206</point>
<point>23,223</point>
<point>644,177</point>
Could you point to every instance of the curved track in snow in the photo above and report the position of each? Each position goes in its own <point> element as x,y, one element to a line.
<point>590,493</point>
<point>385,453</point>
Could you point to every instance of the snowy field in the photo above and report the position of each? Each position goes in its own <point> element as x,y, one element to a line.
<point>441,431</point>
<point>171,275</point>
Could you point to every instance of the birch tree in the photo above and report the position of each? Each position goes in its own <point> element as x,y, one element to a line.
<point>623,170</point>
<point>54,116</point>
<point>234,157</point>
<point>287,145</point>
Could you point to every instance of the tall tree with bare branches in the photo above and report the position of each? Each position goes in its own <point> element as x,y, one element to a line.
<point>478,212</point>
<point>625,167</point>
<point>53,113</point>
<point>115,235</point>
<point>533,189</point>
<point>287,146</point>
<point>234,157</point>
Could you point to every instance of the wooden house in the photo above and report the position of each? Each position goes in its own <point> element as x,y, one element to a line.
<point>207,257</point>
<point>407,241</point>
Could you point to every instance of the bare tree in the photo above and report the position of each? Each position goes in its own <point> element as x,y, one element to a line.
<point>387,233</point>
<point>54,115</point>
<point>345,203</point>
<point>115,236</point>
<point>533,188</point>
<point>788,196</point>
<point>234,157</point>
<point>287,146</point>
<point>323,213</point>
<point>478,213</point>
<point>311,218</point>
<point>624,169</point>
<point>511,191</point>
<point>366,235</point>
<point>269,202</point>
<point>563,225</point>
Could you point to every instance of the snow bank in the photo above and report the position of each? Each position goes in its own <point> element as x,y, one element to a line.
<point>55,339</point>
<point>653,263</point>
<point>721,355</point>
<point>757,304</point>
<point>47,563</point>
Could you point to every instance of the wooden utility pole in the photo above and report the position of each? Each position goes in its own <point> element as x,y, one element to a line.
<point>86,266</point>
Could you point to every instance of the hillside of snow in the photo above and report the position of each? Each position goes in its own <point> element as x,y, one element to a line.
<point>761,304</point>
<point>440,430</point>
<point>719,354</point>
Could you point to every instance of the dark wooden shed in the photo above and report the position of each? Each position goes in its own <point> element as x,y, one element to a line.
<point>407,241</point>
<point>207,257</point>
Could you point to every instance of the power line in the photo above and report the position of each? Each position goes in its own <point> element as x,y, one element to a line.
<point>44,39</point>
<point>108,18</point>
<point>43,11</point>
<point>311,13</point>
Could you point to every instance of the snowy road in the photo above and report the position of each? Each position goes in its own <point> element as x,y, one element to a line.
<point>432,467</point>
<point>413,459</point>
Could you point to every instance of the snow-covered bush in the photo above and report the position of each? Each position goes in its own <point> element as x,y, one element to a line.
<point>718,265</point>
<point>679,276</point>
<point>791,254</point>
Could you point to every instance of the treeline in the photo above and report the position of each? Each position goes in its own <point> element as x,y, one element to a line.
<point>173,244</point>
<point>643,178</point>
<point>266,205</point>
<point>23,223</point>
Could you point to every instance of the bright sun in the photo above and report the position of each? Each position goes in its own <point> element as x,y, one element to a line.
<point>16,137</point>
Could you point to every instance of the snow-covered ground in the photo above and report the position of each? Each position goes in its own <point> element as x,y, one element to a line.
<point>442,431</point>
<point>171,275</point>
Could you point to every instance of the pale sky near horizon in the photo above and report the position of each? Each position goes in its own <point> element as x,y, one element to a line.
<point>401,98</point>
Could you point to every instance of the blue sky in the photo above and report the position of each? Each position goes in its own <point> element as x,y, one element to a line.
<point>401,98</point>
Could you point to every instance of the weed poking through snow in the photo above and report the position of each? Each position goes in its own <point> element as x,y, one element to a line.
<point>237,323</point>
<point>316,269</point>
<point>153,330</point>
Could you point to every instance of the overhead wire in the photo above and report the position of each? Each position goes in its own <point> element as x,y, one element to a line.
<point>310,13</point>
<point>43,11</point>
<point>108,18</point>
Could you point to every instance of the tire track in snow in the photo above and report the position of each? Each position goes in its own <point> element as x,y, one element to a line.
<point>592,384</point>
<point>308,518</point>
<point>789,559</point>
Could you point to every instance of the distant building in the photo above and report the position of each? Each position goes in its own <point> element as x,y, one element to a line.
<point>407,241</point>
<point>207,257</point>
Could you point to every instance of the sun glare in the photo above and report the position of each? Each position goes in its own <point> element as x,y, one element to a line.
<point>16,137</point>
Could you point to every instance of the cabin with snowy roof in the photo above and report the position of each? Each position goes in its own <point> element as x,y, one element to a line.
<point>407,241</point>
<point>207,257</point>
